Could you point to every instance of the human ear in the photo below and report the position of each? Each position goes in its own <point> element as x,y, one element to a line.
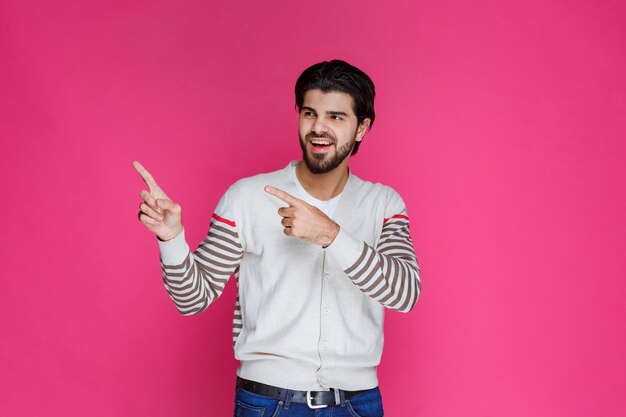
<point>363,126</point>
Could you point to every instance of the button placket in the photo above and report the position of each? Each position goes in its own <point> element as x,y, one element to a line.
<point>323,343</point>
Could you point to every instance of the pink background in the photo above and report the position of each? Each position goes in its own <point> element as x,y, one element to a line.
<point>502,124</point>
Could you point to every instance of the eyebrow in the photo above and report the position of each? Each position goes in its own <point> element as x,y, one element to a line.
<point>332,113</point>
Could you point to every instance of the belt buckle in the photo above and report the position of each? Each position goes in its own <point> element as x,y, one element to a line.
<point>311,406</point>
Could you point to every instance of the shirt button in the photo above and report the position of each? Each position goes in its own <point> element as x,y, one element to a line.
<point>325,343</point>
<point>323,381</point>
<point>326,311</point>
<point>327,275</point>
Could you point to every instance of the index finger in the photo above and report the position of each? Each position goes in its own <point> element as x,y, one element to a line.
<point>145,175</point>
<point>286,197</point>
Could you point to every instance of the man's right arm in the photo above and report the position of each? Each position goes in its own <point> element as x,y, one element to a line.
<point>195,280</point>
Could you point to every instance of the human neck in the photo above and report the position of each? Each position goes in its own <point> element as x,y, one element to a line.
<point>323,186</point>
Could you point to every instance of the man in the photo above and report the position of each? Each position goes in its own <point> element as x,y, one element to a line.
<point>317,253</point>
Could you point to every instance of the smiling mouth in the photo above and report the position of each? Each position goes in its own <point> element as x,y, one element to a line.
<point>320,142</point>
<point>320,145</point>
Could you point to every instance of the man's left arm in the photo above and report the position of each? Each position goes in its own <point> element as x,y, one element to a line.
<point>388,272</point>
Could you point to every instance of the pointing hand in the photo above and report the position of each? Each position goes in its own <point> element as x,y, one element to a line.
<point>304,221</point>
<point>158,212</point>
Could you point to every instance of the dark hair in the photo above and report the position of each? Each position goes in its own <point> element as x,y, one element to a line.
<point>336,75</point>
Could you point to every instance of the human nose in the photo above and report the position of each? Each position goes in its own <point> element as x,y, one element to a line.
<point>319,126</point>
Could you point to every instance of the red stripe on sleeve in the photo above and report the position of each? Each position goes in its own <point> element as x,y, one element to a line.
<point>396,216</point>
<point>223,220</point>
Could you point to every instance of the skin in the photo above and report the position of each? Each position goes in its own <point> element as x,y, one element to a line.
<point>322,174</point>
<point>319,117</point>
<point>157,211</point>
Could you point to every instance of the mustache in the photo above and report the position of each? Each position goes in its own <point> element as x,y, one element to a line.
<point>313,135</point>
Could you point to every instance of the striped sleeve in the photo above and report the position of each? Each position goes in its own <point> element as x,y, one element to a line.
<point>194,280</point>
<point>389,272</point>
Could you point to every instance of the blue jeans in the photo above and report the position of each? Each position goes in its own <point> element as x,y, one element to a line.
<point>367,404</point>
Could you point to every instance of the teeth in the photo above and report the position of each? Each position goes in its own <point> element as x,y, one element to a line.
<point>320,142</point>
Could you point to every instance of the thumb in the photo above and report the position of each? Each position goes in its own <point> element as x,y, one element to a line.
<point>166,204</point>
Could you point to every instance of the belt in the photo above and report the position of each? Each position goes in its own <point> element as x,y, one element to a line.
<point>314,399</point>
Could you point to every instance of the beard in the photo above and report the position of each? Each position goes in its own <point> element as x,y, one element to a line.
<point>319,163</point>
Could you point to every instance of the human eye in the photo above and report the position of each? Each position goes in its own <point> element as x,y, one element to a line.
<point>308,113</point>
